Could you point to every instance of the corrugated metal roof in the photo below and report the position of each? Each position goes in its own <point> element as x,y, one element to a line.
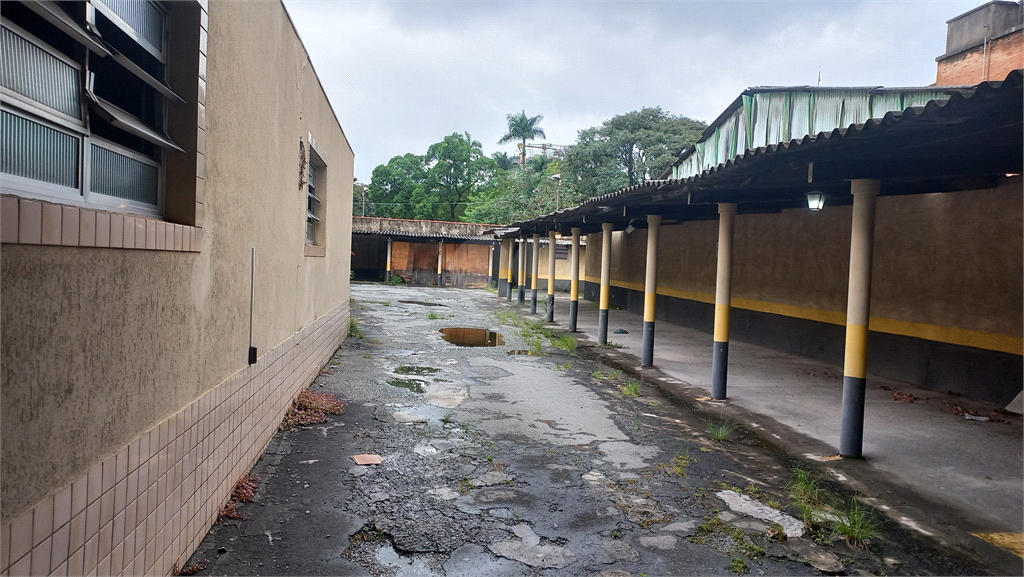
<point>975,131</point>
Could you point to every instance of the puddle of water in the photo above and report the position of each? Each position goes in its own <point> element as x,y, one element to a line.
<point>469,337</point>
<point>414,370</point>
<point>414,385</point>
<point>423,303</point>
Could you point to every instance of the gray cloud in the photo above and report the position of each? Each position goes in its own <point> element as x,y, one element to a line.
<point>403,75</point>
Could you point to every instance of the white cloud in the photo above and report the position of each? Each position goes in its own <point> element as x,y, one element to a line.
<point>403,75</point>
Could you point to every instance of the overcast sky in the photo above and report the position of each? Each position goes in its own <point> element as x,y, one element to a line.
<point>403,75</point>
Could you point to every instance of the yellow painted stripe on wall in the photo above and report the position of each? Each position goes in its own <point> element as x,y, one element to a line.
<point>649,301</point>
<point>722,312</point>
<point>856,352</point>
<point>1011,344</point>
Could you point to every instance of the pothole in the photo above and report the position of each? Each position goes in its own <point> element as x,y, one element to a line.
<point>414,370</point>
<point>423,303</point>
<point>414,385</point>
<point>470,337</point>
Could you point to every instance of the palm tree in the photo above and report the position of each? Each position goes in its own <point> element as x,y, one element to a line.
<point>504,161</point>
<point>522,127</point>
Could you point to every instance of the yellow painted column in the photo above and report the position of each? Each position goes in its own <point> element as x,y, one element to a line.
<point>535,269</point>
<point>574,278</point>
<point>606,273</point>
<point>440,261</point>
<point>552,240</point>
<point>858,310</point>
<point>387,269</point>
<point>723,300</point>
<point>490,265</point>
<point>650,289</point>
<point>522,271</point>
<point>503,258</point>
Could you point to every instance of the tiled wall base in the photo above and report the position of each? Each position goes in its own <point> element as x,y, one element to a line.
<point>145,509</point>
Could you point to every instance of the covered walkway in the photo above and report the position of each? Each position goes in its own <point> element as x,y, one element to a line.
<point>947,474</point>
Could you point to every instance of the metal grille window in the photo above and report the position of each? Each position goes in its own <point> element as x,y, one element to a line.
<point>85,102</point>
<point>312,205</point>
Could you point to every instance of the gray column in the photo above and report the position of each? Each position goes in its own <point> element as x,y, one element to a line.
<point>521,281</point>
<point>552,240</point>
<point>535,269</point>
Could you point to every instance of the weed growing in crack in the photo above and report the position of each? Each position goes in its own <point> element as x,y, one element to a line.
<point>563,367</point>
<point>855,525</point>
<point>632,388</point>
<point>353,328</point>
<point>434,316</point>
<point>739,566</point>
<point>720,429</point>
<point>680,462</point>
<point>565,342</point>
<point>465,486</point>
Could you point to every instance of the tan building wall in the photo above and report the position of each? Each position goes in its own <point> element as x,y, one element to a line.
<point>980,64</point>
<point>563,270</point>
<point>128,407</point>
<point>947,267</point>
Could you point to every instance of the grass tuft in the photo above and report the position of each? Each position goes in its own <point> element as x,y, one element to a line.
<point>353,328</point>
<point>720,429</point>
<point>632,388</point>
<point>855,525</point>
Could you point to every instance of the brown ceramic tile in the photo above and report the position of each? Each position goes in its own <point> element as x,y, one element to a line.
<point>69,226</point>
<point>129,232</point>
<point>5,546</point>
<point>8,219</point>
<point>92,520</point>
<point>107,508</point>
<point>22,567</point>
<point>201,116</point>
<point>86,227</point>
<point>30,221</point>
<point>41,558</point>
<point>120,496</point>
<point>21,536</point>
<point>102,229</point>
<point>202,91</point>
<point>59,547</point>
<point>95,482</point>
<point>62,507</point>
<point>109,473</point>
<point>117,559</point>
<point>161,228</point>
<point>42,523</point>
<point>76,565</point>
<point>51,223</point>
<point>76,537</point>
<point>104,566</point>
<point>197,239</point>
<point>60,571</point>
<point>169,236</point>
<point>202,66</point>
<point>92,558</point>
<point>150,228</point>
<point>201,165</point>
<point>105,543</point>
<point>142,235</point>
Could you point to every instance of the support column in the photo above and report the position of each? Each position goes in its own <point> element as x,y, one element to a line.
<point>490,266</point>
<point>723,300</point>
<point>503,258</point>
<point>858,312</point>
<point>387,266</point>
<point>522,271</point>
<point>650,288</point>
<point>574,276</point>
<point>440,259</point>
<point>606,274</point>
<point>551,276</point>
<point>535,269</point>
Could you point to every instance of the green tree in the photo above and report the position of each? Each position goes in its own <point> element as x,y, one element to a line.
<point>504,161</point>
<point>523,128</point>
<point>626,150</point>
<point>395,185</point>
<point>458,168</point>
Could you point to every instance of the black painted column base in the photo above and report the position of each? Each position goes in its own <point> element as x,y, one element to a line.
<point>719,369</point>
<point>602,327</point>
<point>551,308</point>
<point>533,302</point>
<point>851,437</point>
<point>574,308</point>
<point>387,276</point>
<point>522,294</point>
<point>648,348</point>
<point>440,280</point>
<point>502,288</point>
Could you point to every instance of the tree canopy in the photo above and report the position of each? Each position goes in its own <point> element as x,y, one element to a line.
<point>454,180</point>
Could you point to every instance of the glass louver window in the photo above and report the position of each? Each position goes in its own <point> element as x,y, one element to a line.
<point>312,205</point>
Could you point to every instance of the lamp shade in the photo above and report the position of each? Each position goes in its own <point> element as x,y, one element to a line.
<point>815,200</point>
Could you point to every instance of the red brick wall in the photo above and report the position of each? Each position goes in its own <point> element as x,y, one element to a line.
<point>1004,55</point>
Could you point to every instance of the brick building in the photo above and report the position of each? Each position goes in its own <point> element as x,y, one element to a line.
<point>983,44</point>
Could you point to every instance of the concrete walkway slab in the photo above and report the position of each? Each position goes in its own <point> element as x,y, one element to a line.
<point>972,468</point>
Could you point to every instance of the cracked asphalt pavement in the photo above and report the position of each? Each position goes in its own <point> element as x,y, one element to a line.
<point>522,464</point>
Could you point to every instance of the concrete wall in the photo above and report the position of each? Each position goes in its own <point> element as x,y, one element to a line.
<point>128,407</point>
<point>946,284</point>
